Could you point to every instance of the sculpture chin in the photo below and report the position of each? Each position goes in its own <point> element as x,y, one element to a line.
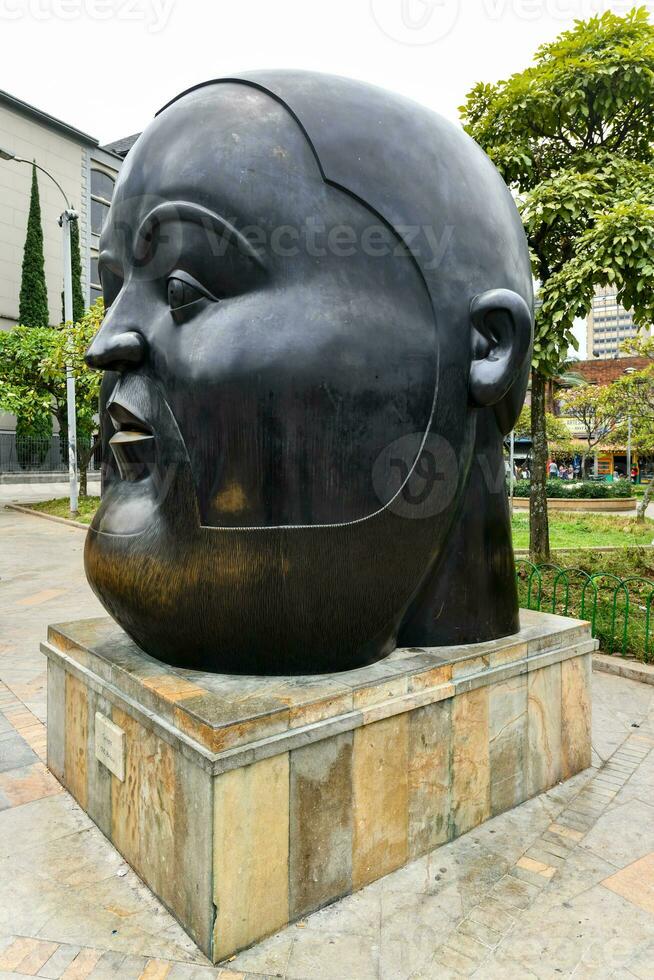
<point>270,600</point>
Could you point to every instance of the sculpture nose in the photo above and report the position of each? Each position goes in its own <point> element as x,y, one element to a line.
<point>116,351</point>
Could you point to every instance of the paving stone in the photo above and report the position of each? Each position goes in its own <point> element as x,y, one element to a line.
<point>480,932</point>
<point>111,965</point>
<point>327,956</point>
<point>514,893</point>
<point>62,957</point>
<point>454,960</point>
<point>494,915</point>
<point>563,844</point>
<point>538,853</point>
<point>15,753</point>
<point>467,945</point>
<point>539,879</point>
<point>553,847</point>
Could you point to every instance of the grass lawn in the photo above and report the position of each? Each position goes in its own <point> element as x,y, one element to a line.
<point>587,530</point>
<point>566,530</point>
<point>61,508</point>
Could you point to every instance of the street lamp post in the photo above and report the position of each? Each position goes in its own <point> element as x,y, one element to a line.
<point>65,219</point>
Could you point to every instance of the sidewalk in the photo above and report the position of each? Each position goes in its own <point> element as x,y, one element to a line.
<point>561,886</point>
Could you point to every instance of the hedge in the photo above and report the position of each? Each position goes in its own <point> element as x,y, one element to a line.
<point>578,490</point>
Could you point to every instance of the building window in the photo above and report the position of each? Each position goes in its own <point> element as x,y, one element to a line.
<point>95,289</point>
<point>102,189</point>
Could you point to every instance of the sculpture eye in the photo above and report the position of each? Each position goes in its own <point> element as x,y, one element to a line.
<point>185,291</point>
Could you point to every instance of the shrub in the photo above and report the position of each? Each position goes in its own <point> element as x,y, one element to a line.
<point>578,490</point>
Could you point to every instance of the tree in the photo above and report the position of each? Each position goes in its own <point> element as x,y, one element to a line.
<point>33,303</point>
<point>76,269</point>
<point>71,343</point>
<point>558,434</point>
<point>33,432</point>
<point>573,137</point>
<point>633,397</point>
<point>33,377</point>
<point>596,411</point>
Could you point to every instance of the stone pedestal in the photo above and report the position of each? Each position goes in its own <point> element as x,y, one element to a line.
<point>247,802</point>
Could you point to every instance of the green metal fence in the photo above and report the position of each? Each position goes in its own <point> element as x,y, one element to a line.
<point>619,609</point>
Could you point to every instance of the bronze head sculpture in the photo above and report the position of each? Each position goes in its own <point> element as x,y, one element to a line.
<point>318,330</point>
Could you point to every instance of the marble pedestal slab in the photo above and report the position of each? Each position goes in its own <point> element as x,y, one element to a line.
<point>248,802</point>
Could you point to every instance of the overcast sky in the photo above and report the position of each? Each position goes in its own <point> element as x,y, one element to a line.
<point>106,66</point>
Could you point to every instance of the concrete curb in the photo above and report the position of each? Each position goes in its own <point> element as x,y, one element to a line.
<point>583,505</point>
<point>47,517</point>
<point>634,670</point>
<point>35,478</point>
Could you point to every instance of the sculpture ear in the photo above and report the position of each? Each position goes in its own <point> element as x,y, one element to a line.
<point>501,353</point>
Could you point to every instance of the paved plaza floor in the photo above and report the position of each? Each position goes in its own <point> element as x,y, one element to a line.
<point>562,886</point>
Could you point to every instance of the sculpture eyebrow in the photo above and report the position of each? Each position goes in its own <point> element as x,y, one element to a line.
<point>187,211</point>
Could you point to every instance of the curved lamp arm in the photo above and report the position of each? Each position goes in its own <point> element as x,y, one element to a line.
<point>7,155</point>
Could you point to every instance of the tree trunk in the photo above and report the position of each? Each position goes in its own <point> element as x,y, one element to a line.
<point>539,532</point>
<point>84,463</point>
<point>643,502</point>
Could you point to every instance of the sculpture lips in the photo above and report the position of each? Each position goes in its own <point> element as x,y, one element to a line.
<point>132,444</point>
<point>124,419</point>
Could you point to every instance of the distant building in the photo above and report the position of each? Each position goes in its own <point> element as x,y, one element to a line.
<point>608,324</point>
<point>86,172</point>
<point>609,458</point>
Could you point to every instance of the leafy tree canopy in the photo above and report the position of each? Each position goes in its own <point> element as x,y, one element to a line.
<point>573,135</point>
<point>33,370</point>
<point>558,434</point>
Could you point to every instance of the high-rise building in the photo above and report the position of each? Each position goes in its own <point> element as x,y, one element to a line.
<point>608,324</point>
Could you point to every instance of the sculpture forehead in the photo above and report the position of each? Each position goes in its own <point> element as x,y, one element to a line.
<point>226,145</point>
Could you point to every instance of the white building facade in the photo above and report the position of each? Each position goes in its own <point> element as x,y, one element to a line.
<point>86,172</point>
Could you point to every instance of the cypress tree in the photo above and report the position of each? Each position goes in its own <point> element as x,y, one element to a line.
<point>33,307</point>
<point>76,260</point>
<point>76,266</point>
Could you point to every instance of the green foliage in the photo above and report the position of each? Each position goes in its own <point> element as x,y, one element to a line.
<point>595,409</point>
<point>578,489</point>
<point>76,268</point>
<point>558,434</point>
<point>578,530</point>
<point>33,371</point>
<point>614,591</point>
<point>33,305</point>
<point>573,135</point>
